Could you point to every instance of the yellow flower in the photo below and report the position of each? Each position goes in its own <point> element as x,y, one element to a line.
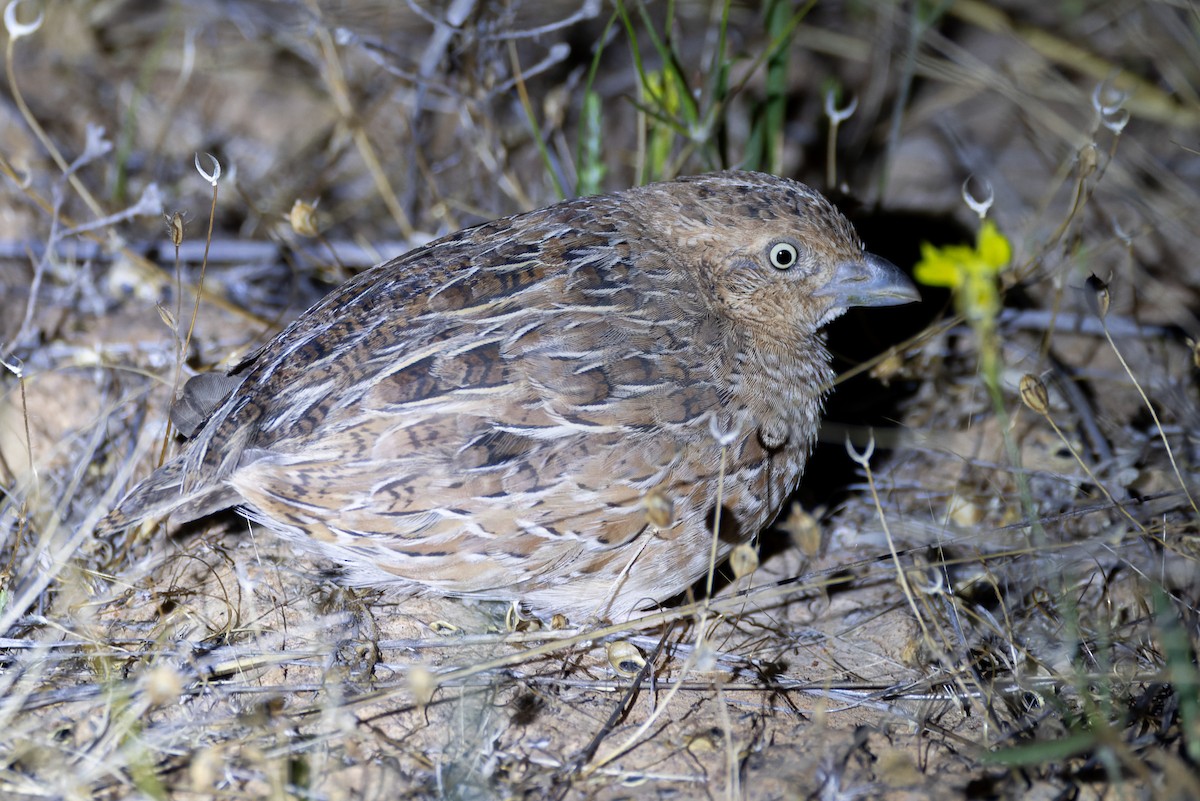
<point>994,247</point>
<point>970,272</point>
<point>943,266</point>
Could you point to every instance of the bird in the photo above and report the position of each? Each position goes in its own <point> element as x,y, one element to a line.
<point>545,409</point>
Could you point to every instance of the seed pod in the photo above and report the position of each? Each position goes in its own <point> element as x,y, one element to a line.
<point>303,218</point>
<point>1098,298</point>
<point>1033,393</point>
<point>625,658</point>
<point>660,509</point>
<point>175,228</point>
<point>744,560</point>
<point>423,684</point>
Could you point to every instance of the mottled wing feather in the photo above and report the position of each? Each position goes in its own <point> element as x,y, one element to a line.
<point>485,394</point>
<point>484,423</point>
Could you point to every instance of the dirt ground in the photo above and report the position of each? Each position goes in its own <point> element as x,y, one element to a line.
<point>1000,602</point>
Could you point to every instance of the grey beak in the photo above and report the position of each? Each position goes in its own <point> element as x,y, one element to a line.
<point>869,281</point>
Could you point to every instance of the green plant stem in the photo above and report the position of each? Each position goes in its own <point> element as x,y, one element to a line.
<point>538,138</point>
<point>989,363</point>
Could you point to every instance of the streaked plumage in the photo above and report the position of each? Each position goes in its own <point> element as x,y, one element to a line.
<point>535,408</point>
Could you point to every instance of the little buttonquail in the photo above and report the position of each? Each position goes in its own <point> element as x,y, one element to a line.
<point>540,408</point>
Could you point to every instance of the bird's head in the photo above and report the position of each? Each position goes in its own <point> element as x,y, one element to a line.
<point>774,255</point>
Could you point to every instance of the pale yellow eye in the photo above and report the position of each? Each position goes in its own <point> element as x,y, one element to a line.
<point>783,255</point>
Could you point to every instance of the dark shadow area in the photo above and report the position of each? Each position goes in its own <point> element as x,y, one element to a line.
<point>858,336</point>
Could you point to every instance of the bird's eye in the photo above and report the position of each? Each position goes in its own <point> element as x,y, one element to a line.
<point>783,255</point>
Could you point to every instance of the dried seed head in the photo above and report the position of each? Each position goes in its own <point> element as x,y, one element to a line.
<point>163,685</point>
<point>212,175</point>
<point>804,530</point>
<point>979,205</point>
<point>1033,393</point>
<point>839,115</point>
<point>423,684</point>
<point>166,315</point>
<point>205,768</point>
<point>660,509</point>
<point>964,512</point>
<point>1098,297</point>
<point>706,742</point>
<point>516,620</point>
<point>1088,160</point>
<point>175,228</point>
<point>925,578</point>
<point>1108,99</point>
<point>743,560</point>
<point>1195,346</point>
<point>888,367</point>
<point>303,218</point>
<point>17,29</point>
<point>625,658</point>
